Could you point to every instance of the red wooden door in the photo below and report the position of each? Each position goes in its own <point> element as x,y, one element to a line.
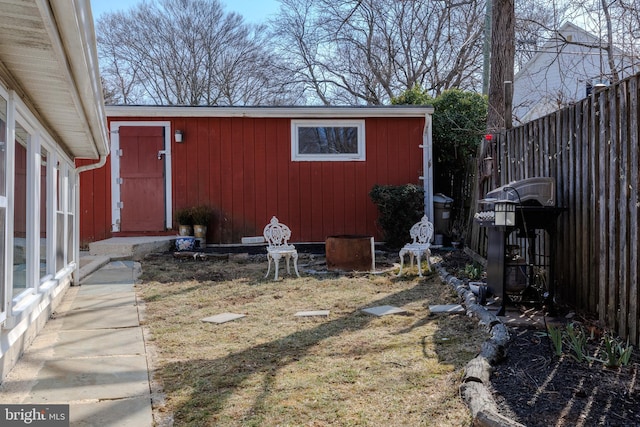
<point>142,191</point>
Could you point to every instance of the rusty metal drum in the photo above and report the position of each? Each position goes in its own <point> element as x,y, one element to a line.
<point>350,253</point>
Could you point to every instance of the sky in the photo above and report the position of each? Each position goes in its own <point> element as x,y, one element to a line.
<point>253,11</point>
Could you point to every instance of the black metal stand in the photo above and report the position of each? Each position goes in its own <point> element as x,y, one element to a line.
<point>496,264</point>
<point>528,220</point>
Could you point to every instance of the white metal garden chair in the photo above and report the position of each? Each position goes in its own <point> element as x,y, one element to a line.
<point>421,233</point>
<point>277,236</point>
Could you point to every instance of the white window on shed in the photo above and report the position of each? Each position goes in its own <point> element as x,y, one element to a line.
<point>327,140</point>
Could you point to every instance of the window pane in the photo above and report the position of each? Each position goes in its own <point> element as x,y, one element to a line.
<point>59,241</point>
<point>71,194</point>
<point>71,198</point>
<point>58,179</point>
<point>3,147</point>
<point>3,197</point>
<point>20,212</point>
<point>43,212</point>
<point>328,140</point>
<point>70,236</point>
<point>3,223</point>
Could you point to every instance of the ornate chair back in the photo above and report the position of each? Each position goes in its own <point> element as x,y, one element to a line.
<point>422,232</point>
<point>277,235</point>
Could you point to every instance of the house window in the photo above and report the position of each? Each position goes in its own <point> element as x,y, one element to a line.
<point>43,211</point>
<point>60,261</point>
<point>3,203</point>
<point>70,185</point>
<point>327,140</point>
<point>20,254</point>
<point>33,256</point>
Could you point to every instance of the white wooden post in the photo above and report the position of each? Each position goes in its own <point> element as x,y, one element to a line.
<point>427,165</point>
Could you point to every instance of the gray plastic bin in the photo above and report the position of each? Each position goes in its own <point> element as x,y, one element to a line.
<point>442,213</point>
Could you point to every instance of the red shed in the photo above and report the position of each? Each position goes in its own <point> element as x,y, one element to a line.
<point>312,167</point>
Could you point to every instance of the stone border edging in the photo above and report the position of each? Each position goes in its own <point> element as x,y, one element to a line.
<point>477,373</point>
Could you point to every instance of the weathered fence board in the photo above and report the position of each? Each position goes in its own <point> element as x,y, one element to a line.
<point>591,149</point>
<point>634,211</point>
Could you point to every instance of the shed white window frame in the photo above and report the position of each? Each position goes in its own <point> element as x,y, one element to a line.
<point>296,125</point>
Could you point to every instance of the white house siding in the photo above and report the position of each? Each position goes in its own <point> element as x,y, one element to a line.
<point>558,75</point>
<point>37,219</point>
<point>51,112</point>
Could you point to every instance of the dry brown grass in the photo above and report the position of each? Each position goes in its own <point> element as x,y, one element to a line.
<point>274,369</point>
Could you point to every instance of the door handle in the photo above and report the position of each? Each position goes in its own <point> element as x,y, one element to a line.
<point>161,153</point>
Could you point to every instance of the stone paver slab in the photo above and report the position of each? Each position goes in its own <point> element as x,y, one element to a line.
<point>312,313</point>
<point>106,289</point>
<point>223,318</point>
<point>116,273</point>
<point>103,342</point>
<point>68,380</point>
<point>384,310</point>
<point>133,412</point>
<point>91,301</point>
<point>108,318</point>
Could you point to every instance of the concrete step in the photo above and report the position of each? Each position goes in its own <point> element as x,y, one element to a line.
<point>130,247</point>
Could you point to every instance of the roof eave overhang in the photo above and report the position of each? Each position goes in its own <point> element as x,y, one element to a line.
<point>266,112</point>
<point>63,36</point>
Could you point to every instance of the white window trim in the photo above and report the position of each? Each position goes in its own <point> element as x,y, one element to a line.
<point>4,203</point>
<point>19,306</point>
<point>32,240</point>
<point>347,157</point>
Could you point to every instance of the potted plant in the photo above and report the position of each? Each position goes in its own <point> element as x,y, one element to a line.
<point>185,221</point>
<point>201,215</point>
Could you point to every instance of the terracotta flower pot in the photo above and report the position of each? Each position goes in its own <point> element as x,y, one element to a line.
<point>185,230</point>
<point>200,233</point>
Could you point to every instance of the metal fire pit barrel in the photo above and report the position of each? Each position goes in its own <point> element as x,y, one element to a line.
<point>350,253</point>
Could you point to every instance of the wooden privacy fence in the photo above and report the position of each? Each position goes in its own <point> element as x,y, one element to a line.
<point>591,149</point>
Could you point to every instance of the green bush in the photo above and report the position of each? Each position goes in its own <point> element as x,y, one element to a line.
<point>183,216</point>
<point>201,215</point>
<point>399,207</point>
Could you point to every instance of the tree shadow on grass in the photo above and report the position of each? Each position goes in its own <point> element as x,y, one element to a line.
<point>209,384</point>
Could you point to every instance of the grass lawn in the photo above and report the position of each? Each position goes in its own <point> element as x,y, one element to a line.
<point>272,368</point>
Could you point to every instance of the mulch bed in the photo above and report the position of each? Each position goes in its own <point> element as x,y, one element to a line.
<point>537,388</point>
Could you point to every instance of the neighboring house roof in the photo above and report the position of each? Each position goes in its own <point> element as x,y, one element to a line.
<point>283,112</point>
<point>559,73</point>
<point>48,56</point>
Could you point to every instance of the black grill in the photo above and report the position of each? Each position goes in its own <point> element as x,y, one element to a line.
<point>520,265</point>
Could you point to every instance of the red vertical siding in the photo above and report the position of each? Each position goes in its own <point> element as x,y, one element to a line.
<point>95,203</point>
<point>242,167</point>
<point>215,178</point>
<point>225,190</point>
<point>260,175</point>
<point>248,178</point>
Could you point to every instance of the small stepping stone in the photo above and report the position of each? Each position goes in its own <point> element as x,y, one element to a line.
<point>223,318</point>
<point>384,310</point>
<point>447,308</point>
<point>312,313</point>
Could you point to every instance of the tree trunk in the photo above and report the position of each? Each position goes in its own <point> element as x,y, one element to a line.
<point>502,61</point>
